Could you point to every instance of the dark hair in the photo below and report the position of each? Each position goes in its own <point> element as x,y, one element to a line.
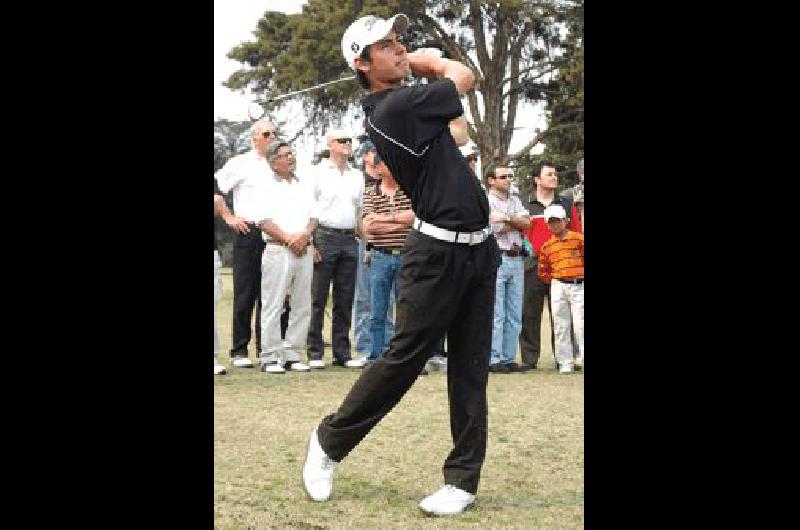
<point>538,172</point>
<point>490,169</point>
<point>272,149</point>
<point>362,78</point>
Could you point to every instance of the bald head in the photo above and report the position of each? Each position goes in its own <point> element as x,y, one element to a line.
<point>262,133</point>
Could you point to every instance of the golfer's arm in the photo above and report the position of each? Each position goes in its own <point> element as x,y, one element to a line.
<point>431,66</point>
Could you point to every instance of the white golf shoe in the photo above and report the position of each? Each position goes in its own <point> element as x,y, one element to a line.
<point>449,500</point>
<point>318,470</point>
<point>272,368</point>
<point>316,364</point>
<point>297,366</point>
<point>241,362</point>
<point>219,369</point>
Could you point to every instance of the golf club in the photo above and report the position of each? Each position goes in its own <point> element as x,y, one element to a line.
<point>256,109</point>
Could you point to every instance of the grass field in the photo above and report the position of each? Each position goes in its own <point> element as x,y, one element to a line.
<point>532,476</point>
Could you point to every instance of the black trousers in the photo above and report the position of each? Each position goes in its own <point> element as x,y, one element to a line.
<point>247,250</point>
<point>339,262</point>
<point>530,336</point>
<point>442,288</point>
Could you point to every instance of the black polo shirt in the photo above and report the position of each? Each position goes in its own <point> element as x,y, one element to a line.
<point>409,127</point>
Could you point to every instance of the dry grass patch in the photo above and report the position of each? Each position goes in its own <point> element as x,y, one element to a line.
<point>532,477</point>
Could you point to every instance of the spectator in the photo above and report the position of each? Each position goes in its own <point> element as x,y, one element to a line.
<point>220,209</point>
<point>509,219</point>
<point>361,302</point>
<point>575,193</point>
<point>561,260</point>
<point>338,191</point>
<point>387,221</point>
<point>287,222</point>
<point>536,291</point>
<point>246,174</point>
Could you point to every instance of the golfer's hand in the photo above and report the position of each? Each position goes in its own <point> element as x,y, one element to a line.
<point>237,223</point>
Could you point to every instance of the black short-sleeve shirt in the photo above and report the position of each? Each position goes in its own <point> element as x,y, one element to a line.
<point>409,127</point>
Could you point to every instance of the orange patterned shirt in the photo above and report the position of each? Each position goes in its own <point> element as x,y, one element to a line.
<point>561,258</point>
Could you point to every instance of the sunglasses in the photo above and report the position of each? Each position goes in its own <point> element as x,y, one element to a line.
<point>267,134</point>
<point>344,140</point>
<point>501,177</point>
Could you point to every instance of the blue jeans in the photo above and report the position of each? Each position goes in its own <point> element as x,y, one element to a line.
<point>361,309</point>
<point>383,272</point>
<point>507,310</point>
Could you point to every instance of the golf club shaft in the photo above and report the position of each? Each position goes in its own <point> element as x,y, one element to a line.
<point>309,89</point>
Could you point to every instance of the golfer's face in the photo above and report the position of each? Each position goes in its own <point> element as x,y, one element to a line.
<point>388,59</point>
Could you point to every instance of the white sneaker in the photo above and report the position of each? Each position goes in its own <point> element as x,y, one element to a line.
<point>318,470</point>
<point>272,368</point>
<point>449,500</point>
<point>218,368</point>
<point>316,363</point>
<point>355,363</point>
<point>565,368</point>
<point>297,366</point>
<point>242,362</point>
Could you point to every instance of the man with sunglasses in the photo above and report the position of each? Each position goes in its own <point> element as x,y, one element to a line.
<point>449,264</point>
<point>247,174</point>
<point>338,190</point>
<point>509,220</point>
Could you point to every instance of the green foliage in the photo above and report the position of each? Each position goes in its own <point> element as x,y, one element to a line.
<point>518,50</point>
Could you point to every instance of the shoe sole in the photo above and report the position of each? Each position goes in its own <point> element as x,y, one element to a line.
<point>434,514</point>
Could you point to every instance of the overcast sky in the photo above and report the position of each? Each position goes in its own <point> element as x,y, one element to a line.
<point>234,23</point>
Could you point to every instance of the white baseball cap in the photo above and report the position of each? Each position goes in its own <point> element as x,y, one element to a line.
<point>369,30</point>
<point>554,210</point>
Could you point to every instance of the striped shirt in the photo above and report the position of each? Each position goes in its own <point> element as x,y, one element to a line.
<point>377,202</point>
<point>562,259</point>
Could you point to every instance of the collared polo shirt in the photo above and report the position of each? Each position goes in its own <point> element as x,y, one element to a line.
<point>561,258</point>
<point>338,195</point>
<point>510,206</point>
<point>287,203</point>
<point>246,174</point>
<point>410,129</point>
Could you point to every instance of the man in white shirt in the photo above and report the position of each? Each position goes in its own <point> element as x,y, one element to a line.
<point>246,174</point>
<point>509,220</point>
<point>287,263</point>
<point>338,190</point>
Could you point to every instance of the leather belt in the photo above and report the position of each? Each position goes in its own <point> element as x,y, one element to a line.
<point>512,253</point>
<point>390,251</point>
<point>468,238</point>
<point>575,281</point>
<point>346,231</point>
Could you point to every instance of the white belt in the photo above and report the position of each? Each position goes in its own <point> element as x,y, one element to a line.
<point>470,238</point>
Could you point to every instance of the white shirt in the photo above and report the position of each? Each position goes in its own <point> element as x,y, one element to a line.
<point>246,174</point>
<point>337,194</point>
<point>289,204</point>
<point>512,207</point>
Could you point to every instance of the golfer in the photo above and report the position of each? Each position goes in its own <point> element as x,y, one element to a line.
<point>449,263</point>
